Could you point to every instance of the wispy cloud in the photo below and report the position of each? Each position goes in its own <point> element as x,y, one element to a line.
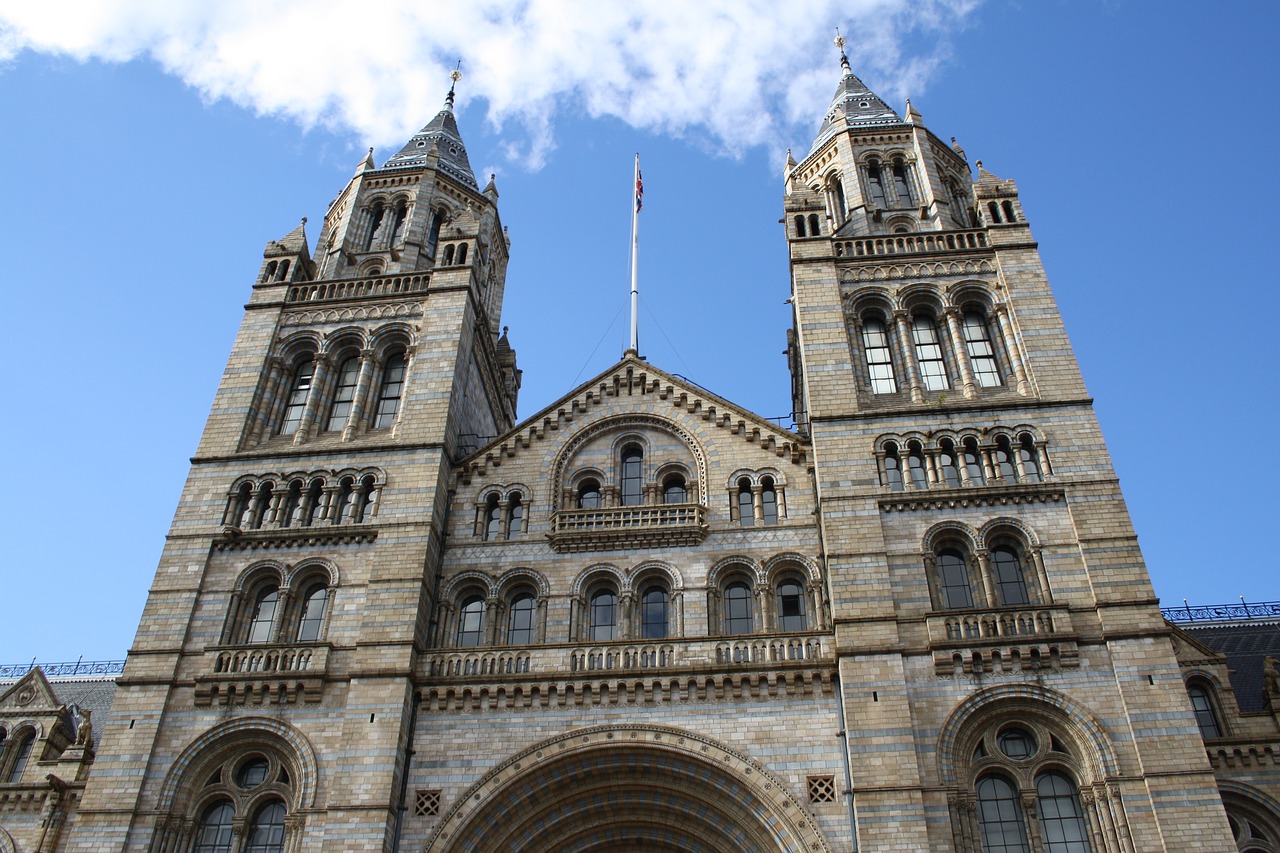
<point>733,73</point>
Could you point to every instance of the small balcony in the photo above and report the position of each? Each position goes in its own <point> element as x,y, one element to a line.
<point>627,527</point>
<point>1005,639</point>
<point>253,674</point>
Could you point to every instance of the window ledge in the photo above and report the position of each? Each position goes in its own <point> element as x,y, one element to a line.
<point>628,527</point>
<point>235,539</point>
<point>992,494</point>
<point>260,672</point>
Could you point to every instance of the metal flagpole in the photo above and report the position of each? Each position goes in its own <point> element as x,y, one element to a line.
<point>635,258</point>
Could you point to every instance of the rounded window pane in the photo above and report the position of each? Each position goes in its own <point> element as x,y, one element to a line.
<point>604,615</point>
<point>253,772</point>
<point>653,614</point>
<point>214,833</point>
<point>790,606</point>
<point>737,609</point>
<point>1017,743</point>
<point>471,622</point>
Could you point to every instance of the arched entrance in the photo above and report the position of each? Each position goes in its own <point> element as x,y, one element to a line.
<point>620,789</point>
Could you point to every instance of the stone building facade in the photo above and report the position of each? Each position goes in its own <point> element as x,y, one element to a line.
<point>391,617</point>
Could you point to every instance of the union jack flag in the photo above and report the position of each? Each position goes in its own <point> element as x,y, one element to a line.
<point>639,190</point>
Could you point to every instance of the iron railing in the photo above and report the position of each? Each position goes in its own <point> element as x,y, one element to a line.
<point>63,668</point>
<point>1222,612</point>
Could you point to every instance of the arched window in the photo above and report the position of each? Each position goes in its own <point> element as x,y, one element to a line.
<point>311,505</point>
<point>674,490</point>
<point>1000,817</point>
<point>390,390</point>
<point>769,500</point>
<point>1062,822</point>
<point>900,183</point>
<point>515,516</point>
<point>343,393</point>
<point>292,504</point>
<point>492,520</point>
<point>263,617</point>
<point>915,465</point>
<point>875,184</point>
<point>314,600</point>
<point>746,504</point>
<point>214,832</point>
<point>973,462</point>
<point>994,210</point>
<point>589,494</point>
<point>892,468</point>
<point>799,225</point>
<point>1011,582</point>
<point>737,609</point>
<point>1009,215</point>
<point>815,230</point>
<point>252,773</point>
<point>344,502</point>
<point>947,466</point>
<point>21,756</point>
<point>604,615</point>
<point>301,389</point>
<point>471,622</point>
<point>653,613</point>
<point>632,476</point>
<point>933,371</point>
<point>270,271</point>
<point>462,254</point>
<point>397,224</point>
<point>791,606</point>
<point>446,258</point>
<point>520,620</point>
<point>375,222</point>
<point>1202,705</point>
<point>1030,460</point>
<point>266,832</point>
<point>875,343</point>
<point>953,580</point>
<point>1004,460</point>
<point>433,233</point>
<point>982,355</point>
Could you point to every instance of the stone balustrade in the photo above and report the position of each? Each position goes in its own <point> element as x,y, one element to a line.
<point>357,288</point>
<point>280,674</point>
<point>668,525</point>
<point>1005,639</point>
<point>911,244</point>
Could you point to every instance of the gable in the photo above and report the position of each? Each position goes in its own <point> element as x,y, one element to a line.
<point>31,693</point>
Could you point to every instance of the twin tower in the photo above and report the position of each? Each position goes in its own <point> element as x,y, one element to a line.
<point>389,616</point>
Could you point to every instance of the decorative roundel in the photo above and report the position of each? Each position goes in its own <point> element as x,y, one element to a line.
<point>1017,743</point>
<point>252,772</point>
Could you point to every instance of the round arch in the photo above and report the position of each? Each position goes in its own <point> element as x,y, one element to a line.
<point>666,789</point>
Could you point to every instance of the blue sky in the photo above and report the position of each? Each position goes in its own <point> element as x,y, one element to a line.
<point>148,167</point>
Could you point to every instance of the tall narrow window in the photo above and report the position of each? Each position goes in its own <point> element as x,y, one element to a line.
<point>604,616</point>
<point>214,832</point>
<point>1206,718</point>
<point>982,355</point>
<point>746,504</point>
<point>769,500</point>
<point>343,393</point>
<point>632,476</point>
<point>302,376</point>
<point>313,604</point>
<point>264,614</point>
<point>1011,583</point>
<point>471,622</point>
<point>933,370</point>
<point>815,229</point>
<point>915,464</point>
<point>492,518</point>
<point>900,184</point>
<point>653,614</point>
<point>589,494</point>
<point>954,577</point>
<point>892,468</point>
<point>875,184</point>
<point>515,516</point>
<point>1000,817</point>
<point>791,606</point>
<point>1009,215</point>
<point>433,233</point>
<point>520,620</point>
<point>390,391</point>
<point>973,463</point>
<point>673,490</point>
<point>397,224</point>
<point>292,503</point>
<point>838,200</point>
<point>1062,822</point>
<point>1030,459</point>
<point>947,465</point>
<point>1003,455</point>
<point>737,609</point>
<point>21,756</point>
<point>462,254</point>
<point>375,222</point>
<point>875,343</point>
<point>800,225</point>
<point>446,257</point>
<point>266,833</point>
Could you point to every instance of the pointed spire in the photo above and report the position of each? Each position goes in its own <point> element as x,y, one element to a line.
<point>295,240</point>
<point>789,165</point>
<point>913,114</point>
<point>854,105</point>
<point>440,136</point>
<point>367,163</point>
<point>491,188</point>
<point>955,146</point>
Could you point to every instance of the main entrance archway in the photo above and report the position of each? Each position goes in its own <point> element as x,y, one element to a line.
<point>628,789</point>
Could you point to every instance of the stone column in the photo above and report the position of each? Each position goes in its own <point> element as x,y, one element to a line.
<point>318,380</point>
<point>625,616</point>
<point>357,422</point>
<point>1011,348</point>
<point>902,323</point>
<point>1037,558</point>
<point>984,572</point>
<point>757,504</point>
<point>962,353</point>
<point>491,621</point>
<point>266,403</point>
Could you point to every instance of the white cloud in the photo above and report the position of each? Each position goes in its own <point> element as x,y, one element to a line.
<point>731,73</point>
